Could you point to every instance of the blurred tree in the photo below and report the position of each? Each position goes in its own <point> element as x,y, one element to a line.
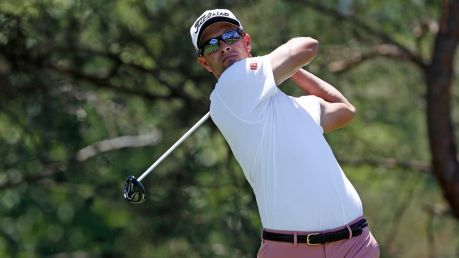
<point>85,84</point>
<point>438,71</point>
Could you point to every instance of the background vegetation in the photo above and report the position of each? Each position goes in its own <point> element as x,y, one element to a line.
<point>94,91</point>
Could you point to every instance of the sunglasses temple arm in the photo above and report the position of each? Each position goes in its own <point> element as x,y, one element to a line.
<point>173,147</point>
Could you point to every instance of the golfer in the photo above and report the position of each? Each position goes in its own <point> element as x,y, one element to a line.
<point>308,207</point>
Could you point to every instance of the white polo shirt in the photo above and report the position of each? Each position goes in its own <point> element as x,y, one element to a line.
<point>278,141</point>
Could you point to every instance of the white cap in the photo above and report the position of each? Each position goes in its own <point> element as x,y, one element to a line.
<point>210,17</point>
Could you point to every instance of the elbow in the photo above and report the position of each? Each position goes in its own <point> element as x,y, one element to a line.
<point>352,112</point>
<point>347,115</point>
<point>309,49</point>
<point>352,109</point>
<point>303,50</point>
<point>312,45</point>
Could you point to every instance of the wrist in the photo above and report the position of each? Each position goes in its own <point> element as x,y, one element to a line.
<point>296,76</point>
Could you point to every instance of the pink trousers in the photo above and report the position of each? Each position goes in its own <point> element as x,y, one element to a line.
<point>362,246</point>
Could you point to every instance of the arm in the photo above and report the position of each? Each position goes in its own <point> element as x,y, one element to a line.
<point>336,110</point>
<point>291,56</point>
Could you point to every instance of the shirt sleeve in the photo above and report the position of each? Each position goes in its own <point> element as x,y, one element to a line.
<point>245,87</point>
<point>311,104</point>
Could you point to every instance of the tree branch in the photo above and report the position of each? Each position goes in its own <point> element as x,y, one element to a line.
<point>357,23</point>
<point>409,186</point>
<point>48,171</point>
<point>413,165</point>
<point>104,83</point>
<point>440,80</point>
<point>128,141</point>
<point>115,57</point>
<point>356,59</point>
<point>74,254</point>
<point>175,92</point>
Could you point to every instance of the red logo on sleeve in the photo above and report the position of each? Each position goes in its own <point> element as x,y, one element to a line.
<point>254,66</point>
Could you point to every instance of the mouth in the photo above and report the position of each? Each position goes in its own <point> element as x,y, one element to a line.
<point>229,59</point>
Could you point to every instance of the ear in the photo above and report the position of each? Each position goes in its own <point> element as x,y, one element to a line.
<point>202,61</point>
<point>247,41</point>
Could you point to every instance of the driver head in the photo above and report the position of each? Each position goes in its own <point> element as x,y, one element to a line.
<point>134,192</point>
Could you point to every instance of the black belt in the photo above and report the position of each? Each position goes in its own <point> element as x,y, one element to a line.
<point>319,238</point>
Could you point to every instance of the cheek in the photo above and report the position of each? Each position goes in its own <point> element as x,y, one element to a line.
<point>205,63</point>
<point>244,47</point>
<point>212,63</point>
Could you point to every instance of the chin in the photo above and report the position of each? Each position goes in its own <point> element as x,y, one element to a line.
<point>229,63</point>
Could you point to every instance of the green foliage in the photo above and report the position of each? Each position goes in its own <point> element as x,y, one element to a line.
<point>74,73</point>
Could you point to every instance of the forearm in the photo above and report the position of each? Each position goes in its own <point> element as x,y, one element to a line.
<point>313,85</point>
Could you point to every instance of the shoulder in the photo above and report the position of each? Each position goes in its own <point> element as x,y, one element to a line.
<point>246,67</point>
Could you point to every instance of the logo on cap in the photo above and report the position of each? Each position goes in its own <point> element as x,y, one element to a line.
<point>205,17</point>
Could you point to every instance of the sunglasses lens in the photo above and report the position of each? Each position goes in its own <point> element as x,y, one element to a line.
<point>211,46</point>
<point>231,41</point>
<point>229,37</point>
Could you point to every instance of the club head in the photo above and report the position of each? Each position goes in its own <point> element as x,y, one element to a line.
<point>134,192</point>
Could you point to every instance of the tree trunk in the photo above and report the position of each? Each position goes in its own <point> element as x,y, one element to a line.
<point>439,77</point>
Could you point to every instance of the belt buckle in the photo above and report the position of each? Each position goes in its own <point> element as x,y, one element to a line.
<point>308,240</point>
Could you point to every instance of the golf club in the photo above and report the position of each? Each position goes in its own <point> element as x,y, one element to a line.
<point>134,192</point>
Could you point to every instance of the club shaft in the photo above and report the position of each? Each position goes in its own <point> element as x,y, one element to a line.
<point>173,147</point>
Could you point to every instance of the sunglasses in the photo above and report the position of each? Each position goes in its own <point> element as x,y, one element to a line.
<point>212,45</point>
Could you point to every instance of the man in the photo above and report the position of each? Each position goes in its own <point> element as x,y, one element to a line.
<point>307,206</point>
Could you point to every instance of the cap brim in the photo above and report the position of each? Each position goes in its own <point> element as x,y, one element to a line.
<point>215,20</point>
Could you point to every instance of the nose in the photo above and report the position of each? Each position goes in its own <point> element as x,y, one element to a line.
<point>224,47</point>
